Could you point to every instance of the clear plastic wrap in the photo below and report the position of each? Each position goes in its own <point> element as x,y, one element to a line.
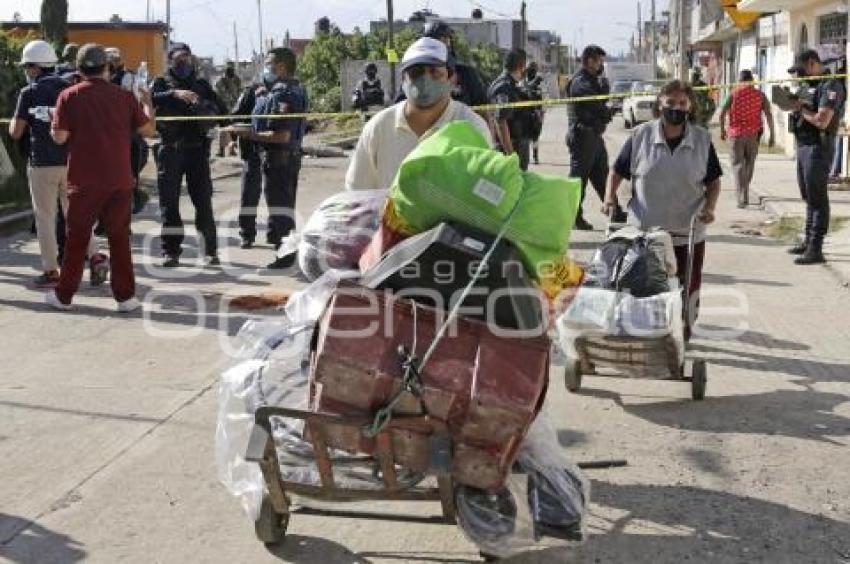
<point>271,367</point>
<point>337,232</point>
<point>544,501</point>
<point>596,312</point>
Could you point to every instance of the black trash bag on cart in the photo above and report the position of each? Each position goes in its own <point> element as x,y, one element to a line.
<point>545,497</point>
<point>628,264</point>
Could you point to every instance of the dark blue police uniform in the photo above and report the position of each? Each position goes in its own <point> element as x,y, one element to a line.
<point>252,171</point>
<point>185,150</point>
<point>505,90</point>
<point>281,162</point>
<point>587,123</point>
<point>815,149</point>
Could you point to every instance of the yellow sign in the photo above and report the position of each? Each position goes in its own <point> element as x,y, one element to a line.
<point>743,20</point>
<point>392,55</point>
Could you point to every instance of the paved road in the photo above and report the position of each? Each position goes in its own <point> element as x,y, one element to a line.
<point>106,422</point>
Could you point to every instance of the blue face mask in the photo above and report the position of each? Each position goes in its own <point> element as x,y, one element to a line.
<point>269,76</point>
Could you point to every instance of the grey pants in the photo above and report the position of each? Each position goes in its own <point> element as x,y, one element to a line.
<point>744,153</point>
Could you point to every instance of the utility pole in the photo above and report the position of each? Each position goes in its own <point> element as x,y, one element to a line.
<point>260,23</point>
<point>524,27</point>
<point>235,46</point>
<point>167,31</point>
<point>148,11</point>
<point>654,44</point>
<point>683,73</point>
<point>640,36</point>
<point>391,44</point>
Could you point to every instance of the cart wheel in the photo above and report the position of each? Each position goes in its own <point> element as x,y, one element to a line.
<point>699,379</point>
<point>572,376</point>
<point>270,526</point>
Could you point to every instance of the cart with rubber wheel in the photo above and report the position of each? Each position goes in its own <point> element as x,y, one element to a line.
<point>628,353</point>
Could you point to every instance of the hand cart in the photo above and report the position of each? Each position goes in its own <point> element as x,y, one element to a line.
<point>630,352</point>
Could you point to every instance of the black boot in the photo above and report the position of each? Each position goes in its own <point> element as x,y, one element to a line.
<point>799,248</point>
<point>813,255</point>
<point>536,156</point>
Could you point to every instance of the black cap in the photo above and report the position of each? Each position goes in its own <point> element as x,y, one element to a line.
<point>802,59</point>
<point>437,29</point>
<point>178,47</point>
<point>91,56</point>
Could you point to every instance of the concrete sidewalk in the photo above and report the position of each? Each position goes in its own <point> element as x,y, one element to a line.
<point>775,190</point>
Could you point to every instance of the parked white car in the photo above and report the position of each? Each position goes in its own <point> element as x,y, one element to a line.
<point>638,108</point>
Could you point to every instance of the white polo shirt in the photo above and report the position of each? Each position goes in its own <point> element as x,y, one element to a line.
<point>387,139</point>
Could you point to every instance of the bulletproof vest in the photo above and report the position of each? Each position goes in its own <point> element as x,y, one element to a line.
<point>806,133</point>
<point>373,92</point>
<point>520,122</point>
<point>245,106</point>
<point>187,131</point>
<point>291,94</point>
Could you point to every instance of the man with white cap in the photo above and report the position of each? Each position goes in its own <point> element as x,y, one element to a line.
<point>394,132</point>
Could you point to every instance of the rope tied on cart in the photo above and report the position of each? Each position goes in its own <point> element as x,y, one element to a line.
<point>412,368</point>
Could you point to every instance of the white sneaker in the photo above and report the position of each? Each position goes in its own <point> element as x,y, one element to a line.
<point>52,300</point>
<point>128,306</point>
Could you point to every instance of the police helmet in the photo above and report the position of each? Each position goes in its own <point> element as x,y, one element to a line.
<point>437,29</point>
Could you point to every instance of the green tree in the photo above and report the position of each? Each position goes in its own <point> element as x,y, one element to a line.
<point>54,21</point>
<point>13,187</point>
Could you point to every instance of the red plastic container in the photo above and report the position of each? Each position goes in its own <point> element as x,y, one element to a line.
<point>486,388</point>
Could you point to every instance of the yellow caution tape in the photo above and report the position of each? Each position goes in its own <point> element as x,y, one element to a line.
<point>489,107</point>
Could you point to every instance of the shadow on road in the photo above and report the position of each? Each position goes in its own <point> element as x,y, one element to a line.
<point>651,524</point>
<point>300,549</point>
<point>24,541</point>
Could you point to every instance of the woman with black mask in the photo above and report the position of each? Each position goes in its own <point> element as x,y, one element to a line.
<point>675,173</point>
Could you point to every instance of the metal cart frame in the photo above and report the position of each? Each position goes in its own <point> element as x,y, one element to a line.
<point>625,352</point>
<point>276,505</point>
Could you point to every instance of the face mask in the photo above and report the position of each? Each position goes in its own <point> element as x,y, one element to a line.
<point>531,73</point>
<point>674,116</point>
<point>370,75</point>
<point>424,92</point>
<point>269,76</point>
<point>183,70</point>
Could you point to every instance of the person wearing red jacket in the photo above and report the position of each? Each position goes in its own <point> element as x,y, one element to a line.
<point>744,108</point>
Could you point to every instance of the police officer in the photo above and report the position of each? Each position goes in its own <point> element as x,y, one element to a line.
<point>815,125</point>
<point>587,123</point>
<point>705,104</point>
<point>252,170</point>
<point>369,93</point>
<point>185,150</point>
<point>532,85</point>
<point>69,60</point>
<point>120,76</point>
<point>228,88</point>
<point>279,141</point>
<point>513,125</point>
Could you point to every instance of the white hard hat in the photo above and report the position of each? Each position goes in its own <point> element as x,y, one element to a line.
<point>39,52</point>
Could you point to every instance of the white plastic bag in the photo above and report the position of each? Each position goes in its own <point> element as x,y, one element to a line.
<point>543,504</point>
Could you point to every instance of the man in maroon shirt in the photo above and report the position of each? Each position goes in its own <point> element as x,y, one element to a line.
<point>95,119</point>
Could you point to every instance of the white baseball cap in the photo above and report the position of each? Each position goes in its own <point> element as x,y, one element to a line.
<point>425,51</point>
